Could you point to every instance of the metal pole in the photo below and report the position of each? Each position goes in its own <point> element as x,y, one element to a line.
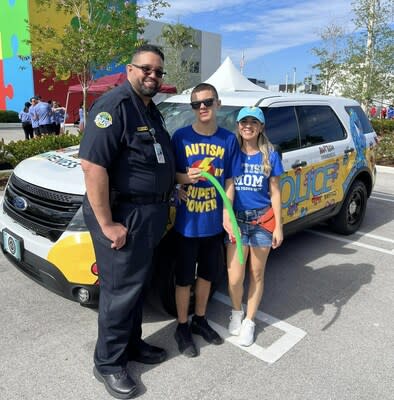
<point>294,80</point>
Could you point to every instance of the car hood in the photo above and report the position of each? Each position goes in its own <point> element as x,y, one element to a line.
<point>58,170</point>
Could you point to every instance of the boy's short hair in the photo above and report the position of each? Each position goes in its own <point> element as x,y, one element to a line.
<point>205,86</point>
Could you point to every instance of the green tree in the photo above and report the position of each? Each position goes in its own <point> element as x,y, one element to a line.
<point>369,60</point>
<point>177,41</point>
<point>360,63</point>
<point>101,32</point>
<point>331,55</point>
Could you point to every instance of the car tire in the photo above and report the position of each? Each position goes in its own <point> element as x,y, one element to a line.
<point>352,212</point>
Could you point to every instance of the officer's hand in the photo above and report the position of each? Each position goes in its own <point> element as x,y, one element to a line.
<point>116,233</point>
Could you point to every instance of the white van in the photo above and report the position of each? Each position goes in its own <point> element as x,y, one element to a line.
<point>328,153</point>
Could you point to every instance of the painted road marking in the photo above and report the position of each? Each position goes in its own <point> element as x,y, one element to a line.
<point>291,337</point>
<point>352,242</point>
<point>377,237</point>
<point>381,198</point>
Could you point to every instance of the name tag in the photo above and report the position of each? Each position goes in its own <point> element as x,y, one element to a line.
<point>159,153</point>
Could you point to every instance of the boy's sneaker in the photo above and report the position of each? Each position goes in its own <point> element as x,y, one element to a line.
<point>246,336</point>
<point>200,326</point>
<point>234,327</point>
<point>185,342</point>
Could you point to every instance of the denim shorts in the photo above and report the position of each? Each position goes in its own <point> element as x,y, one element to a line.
<point>252,235</point>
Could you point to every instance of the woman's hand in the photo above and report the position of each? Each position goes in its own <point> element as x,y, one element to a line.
<point>277,237</point>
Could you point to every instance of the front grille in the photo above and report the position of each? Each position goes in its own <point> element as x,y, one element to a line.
<point>48,212</point>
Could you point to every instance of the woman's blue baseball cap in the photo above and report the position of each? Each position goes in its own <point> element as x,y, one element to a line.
<point>254,112</point>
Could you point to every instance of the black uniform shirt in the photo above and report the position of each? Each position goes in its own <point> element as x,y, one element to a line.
<point>120,134</point>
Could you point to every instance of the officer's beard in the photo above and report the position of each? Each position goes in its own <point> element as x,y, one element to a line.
<point>148,91</point>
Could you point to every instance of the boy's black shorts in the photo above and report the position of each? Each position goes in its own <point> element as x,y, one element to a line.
<point>201,256</point>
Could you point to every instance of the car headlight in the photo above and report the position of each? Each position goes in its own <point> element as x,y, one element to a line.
<point>78,222</point>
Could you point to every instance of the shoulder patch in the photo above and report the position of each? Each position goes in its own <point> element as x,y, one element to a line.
<point>103,120</point>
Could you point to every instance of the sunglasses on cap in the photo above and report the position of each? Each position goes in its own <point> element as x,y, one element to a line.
<point>147,70</point>
<point>197,104</point>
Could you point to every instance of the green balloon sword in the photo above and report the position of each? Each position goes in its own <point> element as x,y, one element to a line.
<point>229,208</point>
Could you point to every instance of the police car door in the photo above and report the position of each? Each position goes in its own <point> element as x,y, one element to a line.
<point>313,142</point>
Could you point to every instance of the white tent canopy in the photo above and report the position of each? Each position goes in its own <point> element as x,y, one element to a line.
<point>227,78</point>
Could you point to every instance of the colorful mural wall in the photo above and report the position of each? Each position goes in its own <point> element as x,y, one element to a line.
<point>18,80</point>
<point>16,76</point>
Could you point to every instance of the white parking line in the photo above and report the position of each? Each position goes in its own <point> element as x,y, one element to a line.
<point>291,337</point>
<point>382,198</point>
<point>353,242</point>
<point>382,238</point>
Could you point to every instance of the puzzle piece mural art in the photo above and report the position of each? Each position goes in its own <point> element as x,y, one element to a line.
<point>5,91</point>
<point>18,80</point>
<point>16,76</point>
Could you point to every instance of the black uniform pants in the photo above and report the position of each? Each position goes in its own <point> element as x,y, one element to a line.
<point>123,276</point>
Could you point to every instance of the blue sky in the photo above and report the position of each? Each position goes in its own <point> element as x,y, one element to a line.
<point>275,35</point>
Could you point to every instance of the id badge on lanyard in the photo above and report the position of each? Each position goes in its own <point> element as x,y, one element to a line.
<point>157,146</point>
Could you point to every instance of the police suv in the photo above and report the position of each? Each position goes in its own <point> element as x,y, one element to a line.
<point>328,153</point>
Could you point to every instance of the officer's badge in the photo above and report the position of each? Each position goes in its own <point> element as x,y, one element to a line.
<point>103,120</point>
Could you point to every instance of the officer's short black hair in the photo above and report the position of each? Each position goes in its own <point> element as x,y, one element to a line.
<point>205,86</point>
<point>148,48</point>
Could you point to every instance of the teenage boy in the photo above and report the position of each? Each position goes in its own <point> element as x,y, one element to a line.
<point>202,146</point>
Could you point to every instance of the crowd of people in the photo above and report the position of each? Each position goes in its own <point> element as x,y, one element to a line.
<point>382,112</point>
<point>131,167</point>
<point>40,117</point>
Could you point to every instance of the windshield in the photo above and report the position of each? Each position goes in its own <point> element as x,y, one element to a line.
<point>178,115</point>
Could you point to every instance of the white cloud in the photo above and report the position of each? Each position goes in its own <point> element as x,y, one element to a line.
<point>282,28</point>
<point>264,26</point>
<point>180,8</point>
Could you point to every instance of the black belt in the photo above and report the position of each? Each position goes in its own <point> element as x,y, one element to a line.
<point>144,198</point>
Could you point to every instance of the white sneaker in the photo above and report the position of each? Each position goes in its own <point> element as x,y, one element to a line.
<point>234,327</point>
<point>246,336</point>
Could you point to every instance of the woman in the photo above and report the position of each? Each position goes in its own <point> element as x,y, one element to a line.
<point>25,118</point>
<point>256,190</point>
<point>59,116</point>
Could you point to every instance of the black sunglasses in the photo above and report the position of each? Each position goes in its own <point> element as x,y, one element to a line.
<point>197,104</point>
<point>148,70</point>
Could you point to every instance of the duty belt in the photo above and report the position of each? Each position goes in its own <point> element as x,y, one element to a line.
<point>143,198</point>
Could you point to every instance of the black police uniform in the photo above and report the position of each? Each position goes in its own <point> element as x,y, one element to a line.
<point>121,135</point>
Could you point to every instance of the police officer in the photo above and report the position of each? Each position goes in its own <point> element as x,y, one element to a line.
<point>129,173</point>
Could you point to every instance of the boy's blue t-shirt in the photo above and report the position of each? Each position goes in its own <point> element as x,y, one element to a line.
<point>219,154</point>
<point>251,188</point>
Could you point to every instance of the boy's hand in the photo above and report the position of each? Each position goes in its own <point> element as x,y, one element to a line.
<point>194,174</point>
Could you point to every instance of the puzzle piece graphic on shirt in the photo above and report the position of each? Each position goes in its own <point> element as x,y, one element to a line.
<point>14,13</point>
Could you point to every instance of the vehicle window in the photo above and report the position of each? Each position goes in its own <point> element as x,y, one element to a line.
<point>178,115</point>
<point>281,127</point>
<point>318,124</point>
<point>364,123</point>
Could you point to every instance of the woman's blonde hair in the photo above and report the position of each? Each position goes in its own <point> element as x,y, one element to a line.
<point>265,147</point>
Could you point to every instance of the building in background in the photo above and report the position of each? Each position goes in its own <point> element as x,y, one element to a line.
<point>19,81</point>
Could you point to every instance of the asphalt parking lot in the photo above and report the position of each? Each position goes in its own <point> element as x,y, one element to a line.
<point>325,330</point>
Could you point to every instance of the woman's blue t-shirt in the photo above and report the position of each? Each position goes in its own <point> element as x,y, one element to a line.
<point>251,188</point>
